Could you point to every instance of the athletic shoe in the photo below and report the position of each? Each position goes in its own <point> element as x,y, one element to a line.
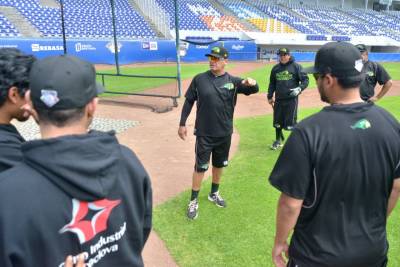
<point>276,145</point>
<point>192,209</point>
<point>217,199</point>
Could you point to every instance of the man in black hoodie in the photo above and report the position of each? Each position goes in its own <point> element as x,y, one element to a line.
<point>287,81</point>
<point>75,192</point>
<point>14,82</point>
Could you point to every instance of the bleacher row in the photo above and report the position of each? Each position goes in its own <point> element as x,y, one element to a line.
<point>92,18</point>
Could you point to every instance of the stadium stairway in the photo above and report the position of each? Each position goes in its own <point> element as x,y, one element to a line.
<point>294,13</point>
<point>275,22</point>
<point>322,26</point>
<point>20,22</point>
<point>49,3</point>
<point>218,6</point>
<point>136,7</point>
<point>300,16</point>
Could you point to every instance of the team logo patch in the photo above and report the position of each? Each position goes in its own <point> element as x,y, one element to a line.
<point>87,229</point>
<point>358,65</point>
<point>370,73</point>
<point>49,97</point>
<point>215,50</point>
<point>229,86</point>
<point>361,124</point>
<point>204,166</point>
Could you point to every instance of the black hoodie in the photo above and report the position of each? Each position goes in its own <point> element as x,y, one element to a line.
<point>10,146</point>
<point>285,77</point>
<point>73,194</point>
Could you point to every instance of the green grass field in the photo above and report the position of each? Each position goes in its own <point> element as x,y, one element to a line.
<point>124,84</point>
<point>242,234</point>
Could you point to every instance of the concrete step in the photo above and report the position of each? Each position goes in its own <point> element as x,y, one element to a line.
<point>146,18</point>
<point>20,22</point>
<point>225,11</point>
<point>49,3</point>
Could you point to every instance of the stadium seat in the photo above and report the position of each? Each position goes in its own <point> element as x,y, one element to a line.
<point>83,18</point>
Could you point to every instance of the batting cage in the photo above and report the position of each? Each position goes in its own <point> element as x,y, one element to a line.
<point>131,45</point>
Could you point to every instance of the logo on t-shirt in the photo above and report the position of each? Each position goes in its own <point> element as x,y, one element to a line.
<point>87,228</point>
<point>229,86</point>
<point>361,124</point>
<point>370,73</point>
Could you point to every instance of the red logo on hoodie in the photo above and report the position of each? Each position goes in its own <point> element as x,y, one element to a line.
<point>87,229</point>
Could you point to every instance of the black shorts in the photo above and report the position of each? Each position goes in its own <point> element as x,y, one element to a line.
<point>292,263</point>
<point>285,113</point>
<point>217,146</point>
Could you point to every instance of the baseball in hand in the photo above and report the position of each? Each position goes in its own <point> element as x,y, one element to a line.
<point>249,82</point>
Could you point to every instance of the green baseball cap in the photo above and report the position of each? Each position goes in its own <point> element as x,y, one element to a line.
<point>219,52</point>
<point>283,51</point>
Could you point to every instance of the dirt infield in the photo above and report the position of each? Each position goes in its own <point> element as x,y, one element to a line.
<point>168,159</point>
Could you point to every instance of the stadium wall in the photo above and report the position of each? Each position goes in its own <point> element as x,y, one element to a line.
<point>331,3</point>
<point>380,57</point>
<point>97,52</point>
<point>238,50</point>
<point>102,52</point>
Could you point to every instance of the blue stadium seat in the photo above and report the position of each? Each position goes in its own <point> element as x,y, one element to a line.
<point>83,18</point>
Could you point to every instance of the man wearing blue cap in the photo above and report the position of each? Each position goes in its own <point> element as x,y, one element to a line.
<point>343,179</point>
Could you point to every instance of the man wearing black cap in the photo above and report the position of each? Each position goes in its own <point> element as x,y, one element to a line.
<point>215,92</point>
<point>286,82</point>
<point>343,178</point>
<point>74,192</point>
<point>375,73</point>
<point>14,82</point>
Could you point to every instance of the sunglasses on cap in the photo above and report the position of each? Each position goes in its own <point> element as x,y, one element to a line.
<point>213,59</point>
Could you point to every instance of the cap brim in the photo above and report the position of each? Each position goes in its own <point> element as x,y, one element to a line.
<point>214,55</point>
<point>361,48</point>
<point>310,70</point>
<point>99,88</point>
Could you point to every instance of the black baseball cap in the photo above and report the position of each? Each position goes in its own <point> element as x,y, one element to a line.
<point>283,51</point>
<point>63,82</point>
<point>361,47</point>
<point>341,59</point>
<point>219,52</point>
